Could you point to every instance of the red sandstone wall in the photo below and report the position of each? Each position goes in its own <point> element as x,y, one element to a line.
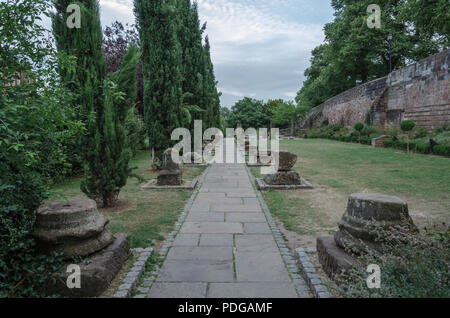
<point>420,92</point>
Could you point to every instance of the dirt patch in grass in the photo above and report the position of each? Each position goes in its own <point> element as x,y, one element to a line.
<point>120,206</point>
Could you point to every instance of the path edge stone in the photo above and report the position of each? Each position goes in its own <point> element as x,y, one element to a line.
<point>309,273</point>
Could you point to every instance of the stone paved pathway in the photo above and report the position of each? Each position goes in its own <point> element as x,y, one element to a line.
<point>225,247</point>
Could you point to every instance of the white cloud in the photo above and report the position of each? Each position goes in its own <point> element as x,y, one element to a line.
<point>259,47</point>
<point>290,94</point>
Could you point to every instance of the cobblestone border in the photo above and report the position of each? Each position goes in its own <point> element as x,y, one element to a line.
<point>130,281</point>
<point>299,282</point>
<point>309,272</point>
<point>148,282</point>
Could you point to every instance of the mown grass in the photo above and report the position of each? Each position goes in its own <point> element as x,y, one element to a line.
<point>146,215</point>
<point>352,167</point>
<point>340,169</point>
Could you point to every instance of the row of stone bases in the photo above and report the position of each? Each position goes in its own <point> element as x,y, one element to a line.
<point>365,215</point>
<point>77,228</point>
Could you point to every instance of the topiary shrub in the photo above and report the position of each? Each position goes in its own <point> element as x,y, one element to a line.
<point>407,126</point>
<point>359,127</point>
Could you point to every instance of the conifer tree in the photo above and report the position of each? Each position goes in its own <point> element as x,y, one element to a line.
<point>211,95</point>
<point>190,38</point>
<point>105,157</point>
<point>85,44</point>
<point>161,59</point>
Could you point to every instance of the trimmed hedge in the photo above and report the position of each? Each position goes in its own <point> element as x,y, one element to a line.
<point>424,148</point>
<point>442,150</point>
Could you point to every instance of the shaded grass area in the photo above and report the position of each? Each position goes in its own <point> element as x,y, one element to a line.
<point>340,169</point>
<point>146,215</point>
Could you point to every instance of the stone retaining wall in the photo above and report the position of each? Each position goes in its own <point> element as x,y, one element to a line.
<point>420,92</point>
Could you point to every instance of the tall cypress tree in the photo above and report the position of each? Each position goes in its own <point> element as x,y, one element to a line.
<point>161,59</point>
<point>210,93</point>
<point>85,44</point>
<point>190,38</point>
<point>105,159</point>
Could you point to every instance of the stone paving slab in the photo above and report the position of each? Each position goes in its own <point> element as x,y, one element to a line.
<point>256,243</point>
<point>245,217</point>
<point>242,194</point>
<point>206,217</point>
<point>216,240</point>
<point>196,271</point>
<point>252,290</point>
<point>235,208</point>
<point>200,253</point>
<point>211,228</point>
<point>178,290</point>
<point>260,267</point>
<point>257,228</point>
<point>220,201</point>
<point>186,240</point>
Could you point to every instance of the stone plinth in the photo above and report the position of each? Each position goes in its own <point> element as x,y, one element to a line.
<point>287,160</point>
<point>333,259</point>
<point>170,173</point>
<point>368,211</point>
<point>283,178</point>
<point>366,215</point>
<point>170,177</point>
<point>97,272</point>
<point>285,175</point>
<point>75,227</point>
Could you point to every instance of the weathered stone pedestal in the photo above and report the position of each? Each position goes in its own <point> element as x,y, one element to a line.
<point>170,174</point>
<point>97,271</point>
<point>366,214</point>
<point>285,175</point>
<point>76,227</point>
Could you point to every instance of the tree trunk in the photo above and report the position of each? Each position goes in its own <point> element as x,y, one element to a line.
<point>292,126</point>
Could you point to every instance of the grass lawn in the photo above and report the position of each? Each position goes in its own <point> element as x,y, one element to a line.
<point>339,169</point>
<point>146,215</point>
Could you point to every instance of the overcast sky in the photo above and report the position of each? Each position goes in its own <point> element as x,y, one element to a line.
<point>260,48</point>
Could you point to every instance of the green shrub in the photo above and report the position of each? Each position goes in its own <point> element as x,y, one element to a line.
<point>358,127</point>
<point>412,266</point>
<point>442,150</point>
<point>37,122</point>
<point>135,130</point>
<point>388,143</point>
<point>407,125</point>
<point>336,127</point>
<point>422,148</point>
<point>420,132</point>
